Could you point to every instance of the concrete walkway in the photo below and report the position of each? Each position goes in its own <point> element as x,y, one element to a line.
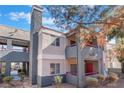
<point>64,85</point>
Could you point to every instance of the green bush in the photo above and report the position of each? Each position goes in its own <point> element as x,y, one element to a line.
<point>7,79</point>
<point>22,75</point>
<point>57,80</point>
<point>3,75</point>
<point>101,77</point>
<point>113,77</point>
<point>19,70</point>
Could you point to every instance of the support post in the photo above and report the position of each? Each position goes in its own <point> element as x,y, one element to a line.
<point>8,64</point>
<point>80,65</point>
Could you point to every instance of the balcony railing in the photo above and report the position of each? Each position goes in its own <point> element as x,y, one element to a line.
<point>89,51</point>
<point>86,74</point>
<point>87,44</point>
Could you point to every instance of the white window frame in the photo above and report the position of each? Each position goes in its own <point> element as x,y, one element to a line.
<point>56,72</point>
<point>54,43</point>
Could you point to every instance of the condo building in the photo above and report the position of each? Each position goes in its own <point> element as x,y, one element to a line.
<point>46,53</point>
<point>57,53</point>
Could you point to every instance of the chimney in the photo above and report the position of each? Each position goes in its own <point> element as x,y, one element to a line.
<point>36,23</point>
<point>36,18</point>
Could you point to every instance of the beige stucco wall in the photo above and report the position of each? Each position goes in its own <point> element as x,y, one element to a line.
<point>46,66</point>
<point>48,54</point>
<point>46,40</point>
<point>49,49</point>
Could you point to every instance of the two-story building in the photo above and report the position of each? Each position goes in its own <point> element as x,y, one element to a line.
<point>57,53</point>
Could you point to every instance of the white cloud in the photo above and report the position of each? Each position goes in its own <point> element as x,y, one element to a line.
<point>48,21</point>
<point>91,6</point>
<point>16,16</point>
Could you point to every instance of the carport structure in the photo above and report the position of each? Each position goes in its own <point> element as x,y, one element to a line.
<point>14,47</point>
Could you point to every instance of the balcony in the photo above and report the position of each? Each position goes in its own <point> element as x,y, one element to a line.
<point>71,51</point>
<point>14,55</point>
<point>88,52</point>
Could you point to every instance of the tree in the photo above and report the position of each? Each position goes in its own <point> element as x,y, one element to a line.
<point>120,54</point>
<point>118,34</point>
<point>85,20</point>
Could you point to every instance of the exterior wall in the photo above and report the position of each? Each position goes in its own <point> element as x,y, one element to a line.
<point>69,62</point>
<point>48,80</point>
<point>46,66</point>
<point>71,79</point>
<point>49,49</point>
<point>48,54</point>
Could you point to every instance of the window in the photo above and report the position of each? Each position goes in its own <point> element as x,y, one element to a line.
<point>73,68</point>
<point>55,41</point>
<point>54,68</point>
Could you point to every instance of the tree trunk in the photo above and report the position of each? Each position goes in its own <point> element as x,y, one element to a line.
<point>122,67</point>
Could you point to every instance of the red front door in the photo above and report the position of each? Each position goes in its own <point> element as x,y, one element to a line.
<point>89,68</point>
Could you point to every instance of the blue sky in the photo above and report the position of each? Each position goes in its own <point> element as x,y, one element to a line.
<point>18,16</point>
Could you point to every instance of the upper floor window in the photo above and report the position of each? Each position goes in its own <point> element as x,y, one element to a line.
<point>56,41</point>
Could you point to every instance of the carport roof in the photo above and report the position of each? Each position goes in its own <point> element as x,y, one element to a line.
<point>14,33</point>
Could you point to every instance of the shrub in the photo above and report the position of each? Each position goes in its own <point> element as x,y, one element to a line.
<point>101,77</point>
<point>58,80</point>
<point>113,77</point>
<point>91,82</point>
<point>22,75</point>
<point>7,79</point>
<point>3,75</point>
<point>19,70</point>
<point>113,74</point>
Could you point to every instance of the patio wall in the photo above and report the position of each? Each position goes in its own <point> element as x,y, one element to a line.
<point>115,70</point>
<point>72,79</point>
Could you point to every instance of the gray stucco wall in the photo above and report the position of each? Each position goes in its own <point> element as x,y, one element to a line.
<point>49,80</point>
<point>36,23</point>
<point>71,52</point>
<point>71,79</point>
<point>88,52</point>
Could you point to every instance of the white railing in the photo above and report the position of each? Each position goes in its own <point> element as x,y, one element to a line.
<point>18,50</point>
